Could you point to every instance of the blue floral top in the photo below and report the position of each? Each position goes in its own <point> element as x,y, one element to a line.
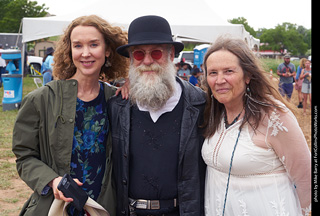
<point>88,158</point>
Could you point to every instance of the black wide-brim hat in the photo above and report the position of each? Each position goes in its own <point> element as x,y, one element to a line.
<point>49,50</point>
<point>148,30</point>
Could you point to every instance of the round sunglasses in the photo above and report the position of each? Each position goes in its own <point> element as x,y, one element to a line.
<point>140,54</point>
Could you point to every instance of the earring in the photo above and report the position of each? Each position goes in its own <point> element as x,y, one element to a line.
<point>248,90</point>
<point>251,102</point>
<point>107,63</point>
<point>253,109</point>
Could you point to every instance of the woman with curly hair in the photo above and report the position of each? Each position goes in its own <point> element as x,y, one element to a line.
<point>63,127</point>
<point>258,160</point>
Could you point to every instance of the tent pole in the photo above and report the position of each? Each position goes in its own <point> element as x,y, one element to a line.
<point>23,56</point>
<point>18,34</point>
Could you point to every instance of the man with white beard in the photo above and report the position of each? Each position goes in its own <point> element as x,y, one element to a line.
<point>152,85</point>
<point>157,141</point>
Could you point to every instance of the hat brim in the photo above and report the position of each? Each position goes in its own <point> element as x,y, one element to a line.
<point>123,50</point>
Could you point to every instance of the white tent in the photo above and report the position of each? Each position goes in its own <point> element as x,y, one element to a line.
<point>190,20</point>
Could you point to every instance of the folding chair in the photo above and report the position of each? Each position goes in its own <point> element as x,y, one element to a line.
<point>38,82</point>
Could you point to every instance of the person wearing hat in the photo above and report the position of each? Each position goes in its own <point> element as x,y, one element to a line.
<point>46,68</point>
<point>157,141</point>
<point>287,72</point>
<point>184,71</point>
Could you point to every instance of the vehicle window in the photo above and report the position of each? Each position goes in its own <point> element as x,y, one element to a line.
<point>188,56</point>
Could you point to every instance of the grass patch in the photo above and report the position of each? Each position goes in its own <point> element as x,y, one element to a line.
<point>7,119</point>
<point>6,153</point>
<point>12,200</point>
<point>28,85</point>
<point>9,212</point>
<point>7,172</point>
<point>268,64</point>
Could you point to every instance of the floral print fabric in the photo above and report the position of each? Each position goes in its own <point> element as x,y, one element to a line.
<point>88,151</point>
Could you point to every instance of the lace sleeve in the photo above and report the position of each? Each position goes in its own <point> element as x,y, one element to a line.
<point>285,136</point>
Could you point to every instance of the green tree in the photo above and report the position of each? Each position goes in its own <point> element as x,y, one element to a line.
<point>286,36</point>
<point>12,12</point>
<point>244,22</point>
<point>306,34</point>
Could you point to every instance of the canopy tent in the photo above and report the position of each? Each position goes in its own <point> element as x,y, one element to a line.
<point>190,20</point>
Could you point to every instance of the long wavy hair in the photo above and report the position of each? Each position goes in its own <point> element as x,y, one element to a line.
<point>263,93</point>
<point>64,68</point>
<point>302,62</point>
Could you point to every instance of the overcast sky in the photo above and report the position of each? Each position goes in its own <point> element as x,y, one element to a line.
<point>259,13</point>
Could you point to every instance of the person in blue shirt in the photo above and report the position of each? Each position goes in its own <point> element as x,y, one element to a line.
<point>194,77</point>
<point>184,71</point>
<point>299,81</point>
<point>46,68</point>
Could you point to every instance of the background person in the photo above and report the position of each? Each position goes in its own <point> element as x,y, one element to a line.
<point>252,140</point>
<point>287,72</point>
<point>64,127</point>
<point>299,81</point>
<point>2,66</point>
<point>306,84</point>
<point>46,68</point>
<point>194,77</point>
<point>184,70</point>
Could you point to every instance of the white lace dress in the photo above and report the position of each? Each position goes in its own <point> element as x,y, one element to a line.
<point>271,170</point>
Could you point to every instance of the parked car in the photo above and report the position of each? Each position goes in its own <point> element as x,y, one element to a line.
<point>34,65</point>
<point>186,57</point>
<point>294,59</point>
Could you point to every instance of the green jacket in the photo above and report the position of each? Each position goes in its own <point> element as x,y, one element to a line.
<point>42,143</point>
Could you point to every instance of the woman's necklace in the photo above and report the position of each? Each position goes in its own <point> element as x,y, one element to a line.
<point>234,149</point>
<point>234,120</point>
<point>227,188</point>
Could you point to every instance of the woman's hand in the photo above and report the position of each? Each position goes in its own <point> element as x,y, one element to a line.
<point>124,90</point>
<point>58,194</point>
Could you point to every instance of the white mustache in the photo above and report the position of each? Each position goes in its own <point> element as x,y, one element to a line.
<point>152,67</point>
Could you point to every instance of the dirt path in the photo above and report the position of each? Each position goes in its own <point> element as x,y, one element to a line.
<point>13,197</point>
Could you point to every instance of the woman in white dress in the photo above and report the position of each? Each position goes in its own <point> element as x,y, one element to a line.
<point>258,161</point>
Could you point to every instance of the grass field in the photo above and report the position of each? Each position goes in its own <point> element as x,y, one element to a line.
<point>12,196</point>
<point>15,192</point>
<point>273,64</point>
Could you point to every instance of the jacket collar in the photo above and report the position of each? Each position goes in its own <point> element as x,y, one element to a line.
<point>67,90</point>
<point>191,93</point>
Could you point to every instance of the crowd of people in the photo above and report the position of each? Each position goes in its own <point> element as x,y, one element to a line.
<point>192,74</point>
<point>301,80</point>
<point>171,148</point>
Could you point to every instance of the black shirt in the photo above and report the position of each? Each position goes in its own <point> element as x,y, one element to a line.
<point>154,155</point>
